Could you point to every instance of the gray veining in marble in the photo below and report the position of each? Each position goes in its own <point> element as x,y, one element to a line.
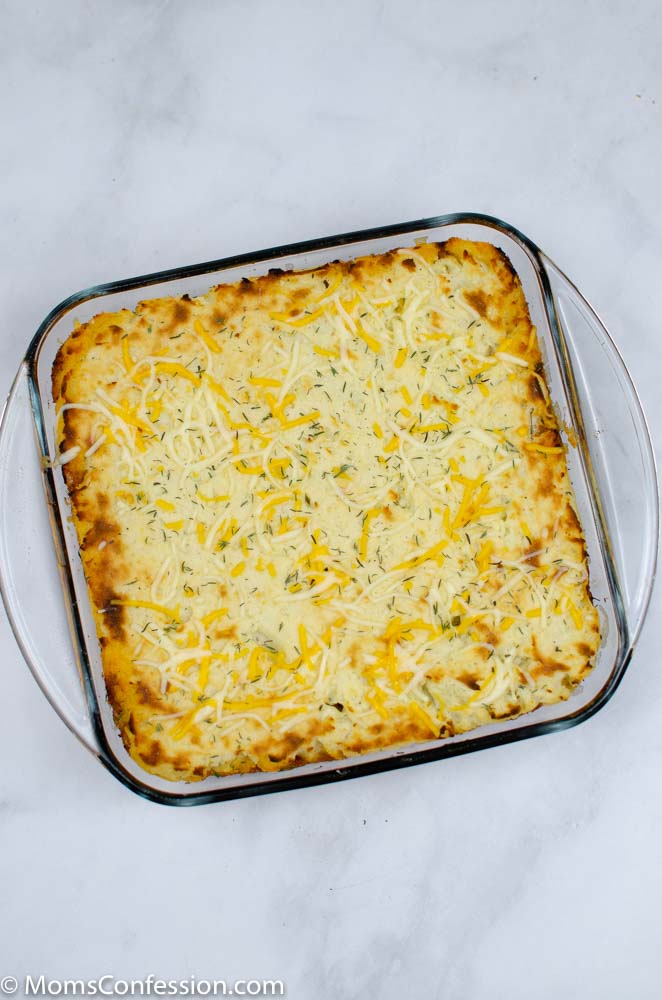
<point>142,135</point>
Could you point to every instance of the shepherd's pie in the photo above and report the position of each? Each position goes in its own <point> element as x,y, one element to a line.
<point>322,513</point>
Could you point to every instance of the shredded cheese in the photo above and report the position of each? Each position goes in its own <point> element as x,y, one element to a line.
<point>327,483</point>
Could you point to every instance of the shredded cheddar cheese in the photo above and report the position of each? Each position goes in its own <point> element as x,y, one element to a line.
<point>323,512</point>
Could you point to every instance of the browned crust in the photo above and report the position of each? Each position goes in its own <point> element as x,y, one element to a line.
<point>496,297</point>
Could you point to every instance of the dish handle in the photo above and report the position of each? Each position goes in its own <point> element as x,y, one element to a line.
<point>30,568</point>
<point>618,444</point>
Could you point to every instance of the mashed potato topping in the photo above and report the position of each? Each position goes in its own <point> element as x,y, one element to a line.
<point>324,512</point>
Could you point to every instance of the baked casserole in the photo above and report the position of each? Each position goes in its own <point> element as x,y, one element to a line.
<point>323,513</point>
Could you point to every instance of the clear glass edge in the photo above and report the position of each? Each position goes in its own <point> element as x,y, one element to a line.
<point>83,730</point>
<point>635,623</point>
<point>292,779</point>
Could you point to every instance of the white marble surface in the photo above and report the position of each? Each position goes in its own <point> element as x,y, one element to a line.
<point>143,135</point>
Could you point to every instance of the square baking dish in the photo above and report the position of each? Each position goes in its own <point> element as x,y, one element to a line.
<point>609,455</point>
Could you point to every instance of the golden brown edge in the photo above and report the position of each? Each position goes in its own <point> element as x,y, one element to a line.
<point>94,523</point>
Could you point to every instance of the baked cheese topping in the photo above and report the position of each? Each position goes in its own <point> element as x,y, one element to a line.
<point>324,512</point>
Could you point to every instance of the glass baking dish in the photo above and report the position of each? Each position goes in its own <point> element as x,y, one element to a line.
<point>610,460</point>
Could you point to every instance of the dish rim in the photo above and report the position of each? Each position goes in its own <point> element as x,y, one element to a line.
<point>293,779</point>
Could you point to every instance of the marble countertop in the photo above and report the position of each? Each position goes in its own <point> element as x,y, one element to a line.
<point>141,136</point>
